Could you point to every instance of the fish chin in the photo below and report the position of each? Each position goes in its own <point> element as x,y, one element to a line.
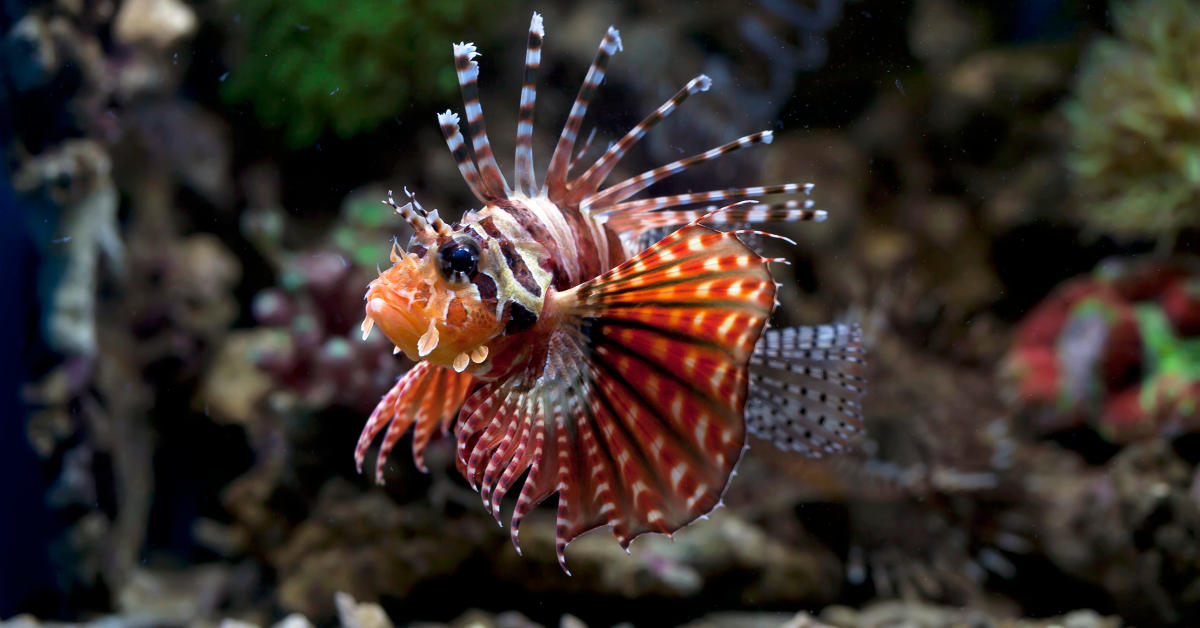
<point>422,336</point>
<point>397,323</point>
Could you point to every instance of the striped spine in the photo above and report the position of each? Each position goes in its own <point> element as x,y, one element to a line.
<point>591,180</point>
<point>524,177</point>
<point>663,202</point>
<point>415,220</point>
<point>625,189</point>
<point>468,80</point>
<point>466,166</point>
<point>556,176</point>
<point>582,151</point>
<point>789,211</point>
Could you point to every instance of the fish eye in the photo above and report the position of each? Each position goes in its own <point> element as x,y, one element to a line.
<point>458,260</point>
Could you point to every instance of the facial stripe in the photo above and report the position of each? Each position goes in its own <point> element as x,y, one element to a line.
<point>486,286</point>
<point>516,274</point>
<point>518,267</point>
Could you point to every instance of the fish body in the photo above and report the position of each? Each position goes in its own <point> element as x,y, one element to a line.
<point>624,380</point>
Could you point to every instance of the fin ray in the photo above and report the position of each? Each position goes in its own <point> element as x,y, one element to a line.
<point>737,194</point>
<point>556,176</point>
<point>523,176</point>
<point>427,396</point>
<point>634,224</point>
<point>629,187</point>
<point>448,121</point>
<point>594,177</point>
<point>468,81</point>
<point>806,388</point>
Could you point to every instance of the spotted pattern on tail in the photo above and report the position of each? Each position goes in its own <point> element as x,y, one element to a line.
<point>806,388</point>
<point>429,396</point>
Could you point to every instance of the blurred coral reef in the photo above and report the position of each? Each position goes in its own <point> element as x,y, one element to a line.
<point>202,182</point>
<point>351,613</point>
<point>1135,121</point>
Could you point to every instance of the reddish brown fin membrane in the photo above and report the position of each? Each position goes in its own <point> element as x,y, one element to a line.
<point>634,416</point>
<point>806,388</point>
<point>428,396</point>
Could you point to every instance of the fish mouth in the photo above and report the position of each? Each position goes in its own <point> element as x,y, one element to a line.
<point>398,318</point>
<point>418,326</point>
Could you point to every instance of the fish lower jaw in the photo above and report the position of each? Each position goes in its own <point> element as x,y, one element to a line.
<point>423,340</point>
<point>396,324</point>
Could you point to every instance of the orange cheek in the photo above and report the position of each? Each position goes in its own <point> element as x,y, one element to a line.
<point>456,314</point>
<point>471,320</point>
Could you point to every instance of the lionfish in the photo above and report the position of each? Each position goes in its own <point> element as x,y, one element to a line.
<point>623,379</point>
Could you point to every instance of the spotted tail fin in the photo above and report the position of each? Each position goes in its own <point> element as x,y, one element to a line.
<point>806,388</point>
<point>429,396</point>
<point>556,176</point>
<point>635,416</point>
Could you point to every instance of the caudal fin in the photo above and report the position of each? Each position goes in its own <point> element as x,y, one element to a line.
<point>806,388</point>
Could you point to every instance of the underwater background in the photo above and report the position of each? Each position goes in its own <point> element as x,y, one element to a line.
<point>192,211</point>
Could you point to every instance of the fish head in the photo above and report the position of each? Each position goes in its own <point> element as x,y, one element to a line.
<point>453,297</point>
